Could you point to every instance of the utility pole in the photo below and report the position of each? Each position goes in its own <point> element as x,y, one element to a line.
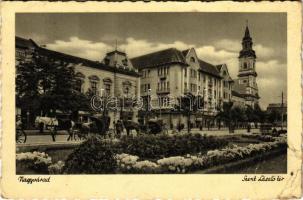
<point>282,111</point>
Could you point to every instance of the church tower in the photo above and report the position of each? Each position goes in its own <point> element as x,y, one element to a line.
<point>247,70</point>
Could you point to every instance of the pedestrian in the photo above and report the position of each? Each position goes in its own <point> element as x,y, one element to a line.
<point>248,127</point>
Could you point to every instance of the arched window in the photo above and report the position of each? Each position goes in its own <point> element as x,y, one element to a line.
<point>126,87</point>
<point>107,82</point>
<point>79,81</point>
<point>245,65</point>
<point>192,59</point>
<point>94,84</point>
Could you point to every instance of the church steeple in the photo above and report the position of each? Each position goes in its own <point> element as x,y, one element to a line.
<point>247,50</point>
<point>247,35</point>
<point>247,69</point>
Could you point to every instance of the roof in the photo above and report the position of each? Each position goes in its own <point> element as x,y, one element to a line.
<point>167,56</point>
<point>237,94</point>
<point>25,43</point>
<point>73,59</point>
<point>89,63</point>
<point>246,35</point>
<point>209,68</point>
<point>219,67</point>
<point>185,52</point>
<point>247,53</point>
<point>116,51</point>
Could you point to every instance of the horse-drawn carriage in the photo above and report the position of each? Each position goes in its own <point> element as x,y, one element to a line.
<point>155,126</point>
<point>270,129</point>
<point>20,133</point>
<point>76,130</point>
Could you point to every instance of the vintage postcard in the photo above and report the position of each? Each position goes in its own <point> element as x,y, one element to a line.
<point>151,100</point>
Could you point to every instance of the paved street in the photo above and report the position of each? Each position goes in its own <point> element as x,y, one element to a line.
<point>36,138</point>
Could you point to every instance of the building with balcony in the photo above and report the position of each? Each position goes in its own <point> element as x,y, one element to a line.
<point>169,74</point>
<point>227,83</point>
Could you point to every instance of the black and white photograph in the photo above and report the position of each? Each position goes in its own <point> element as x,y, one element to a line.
<point>151,93</point>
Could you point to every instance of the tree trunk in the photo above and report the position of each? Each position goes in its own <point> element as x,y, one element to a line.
<point>188,123</point>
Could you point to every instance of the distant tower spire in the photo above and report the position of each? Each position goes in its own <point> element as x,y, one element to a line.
<point>247,34</point>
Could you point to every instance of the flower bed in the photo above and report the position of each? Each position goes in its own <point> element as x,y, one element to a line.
<point>183,164</point>
<point>264,138</point>
<point>95,156</point>
<point>32,162</point>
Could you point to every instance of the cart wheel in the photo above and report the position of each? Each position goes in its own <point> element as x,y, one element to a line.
<point>21,136</point>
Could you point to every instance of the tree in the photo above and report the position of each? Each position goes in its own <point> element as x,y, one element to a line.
<point>189,104</point>
<point>274,116</point>
<point>46,85</point>
<point>225,114</point>
<point>238,115</point>
<point>259,114</point>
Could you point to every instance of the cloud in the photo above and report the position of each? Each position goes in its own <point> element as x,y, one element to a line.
<point>264,52</point>
<point>230,45</point>
<point>82,48</point>
<point>135,47</point>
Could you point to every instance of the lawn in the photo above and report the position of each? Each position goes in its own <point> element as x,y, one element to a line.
<point>275,165</point>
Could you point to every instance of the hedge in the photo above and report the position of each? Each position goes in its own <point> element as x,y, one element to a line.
<point>160,146</point>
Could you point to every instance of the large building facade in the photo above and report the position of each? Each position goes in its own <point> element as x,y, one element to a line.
<point>169,74</point>
<point>161,78</point>
<point>113,76</point>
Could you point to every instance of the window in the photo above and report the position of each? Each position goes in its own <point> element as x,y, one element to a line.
<point>185,72</point>
<point>185,86</point>
<point>199,77</point>
<point>124,62</point>
<point>167,85</point>
<point>94,82</point>
<point>94,88</point>
<point>245,65</point>
<point>107,89</point>
<point>192,59</point>
<point>106,61</point>
<point>78,86</point>
<point>79,81</point>
<point>145,88</point>
<point>204,78</point>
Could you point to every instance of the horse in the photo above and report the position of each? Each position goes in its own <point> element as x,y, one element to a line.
<point>54,124</point>
<point>45,122</point>
<point>130,125</point>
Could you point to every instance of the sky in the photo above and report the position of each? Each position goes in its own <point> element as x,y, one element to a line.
<point>215,36</point>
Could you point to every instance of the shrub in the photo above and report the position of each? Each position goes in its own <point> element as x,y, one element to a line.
<point>160,146</point>
<point>37,162</point>
<point>94,156</point>
<point>56,168</point>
